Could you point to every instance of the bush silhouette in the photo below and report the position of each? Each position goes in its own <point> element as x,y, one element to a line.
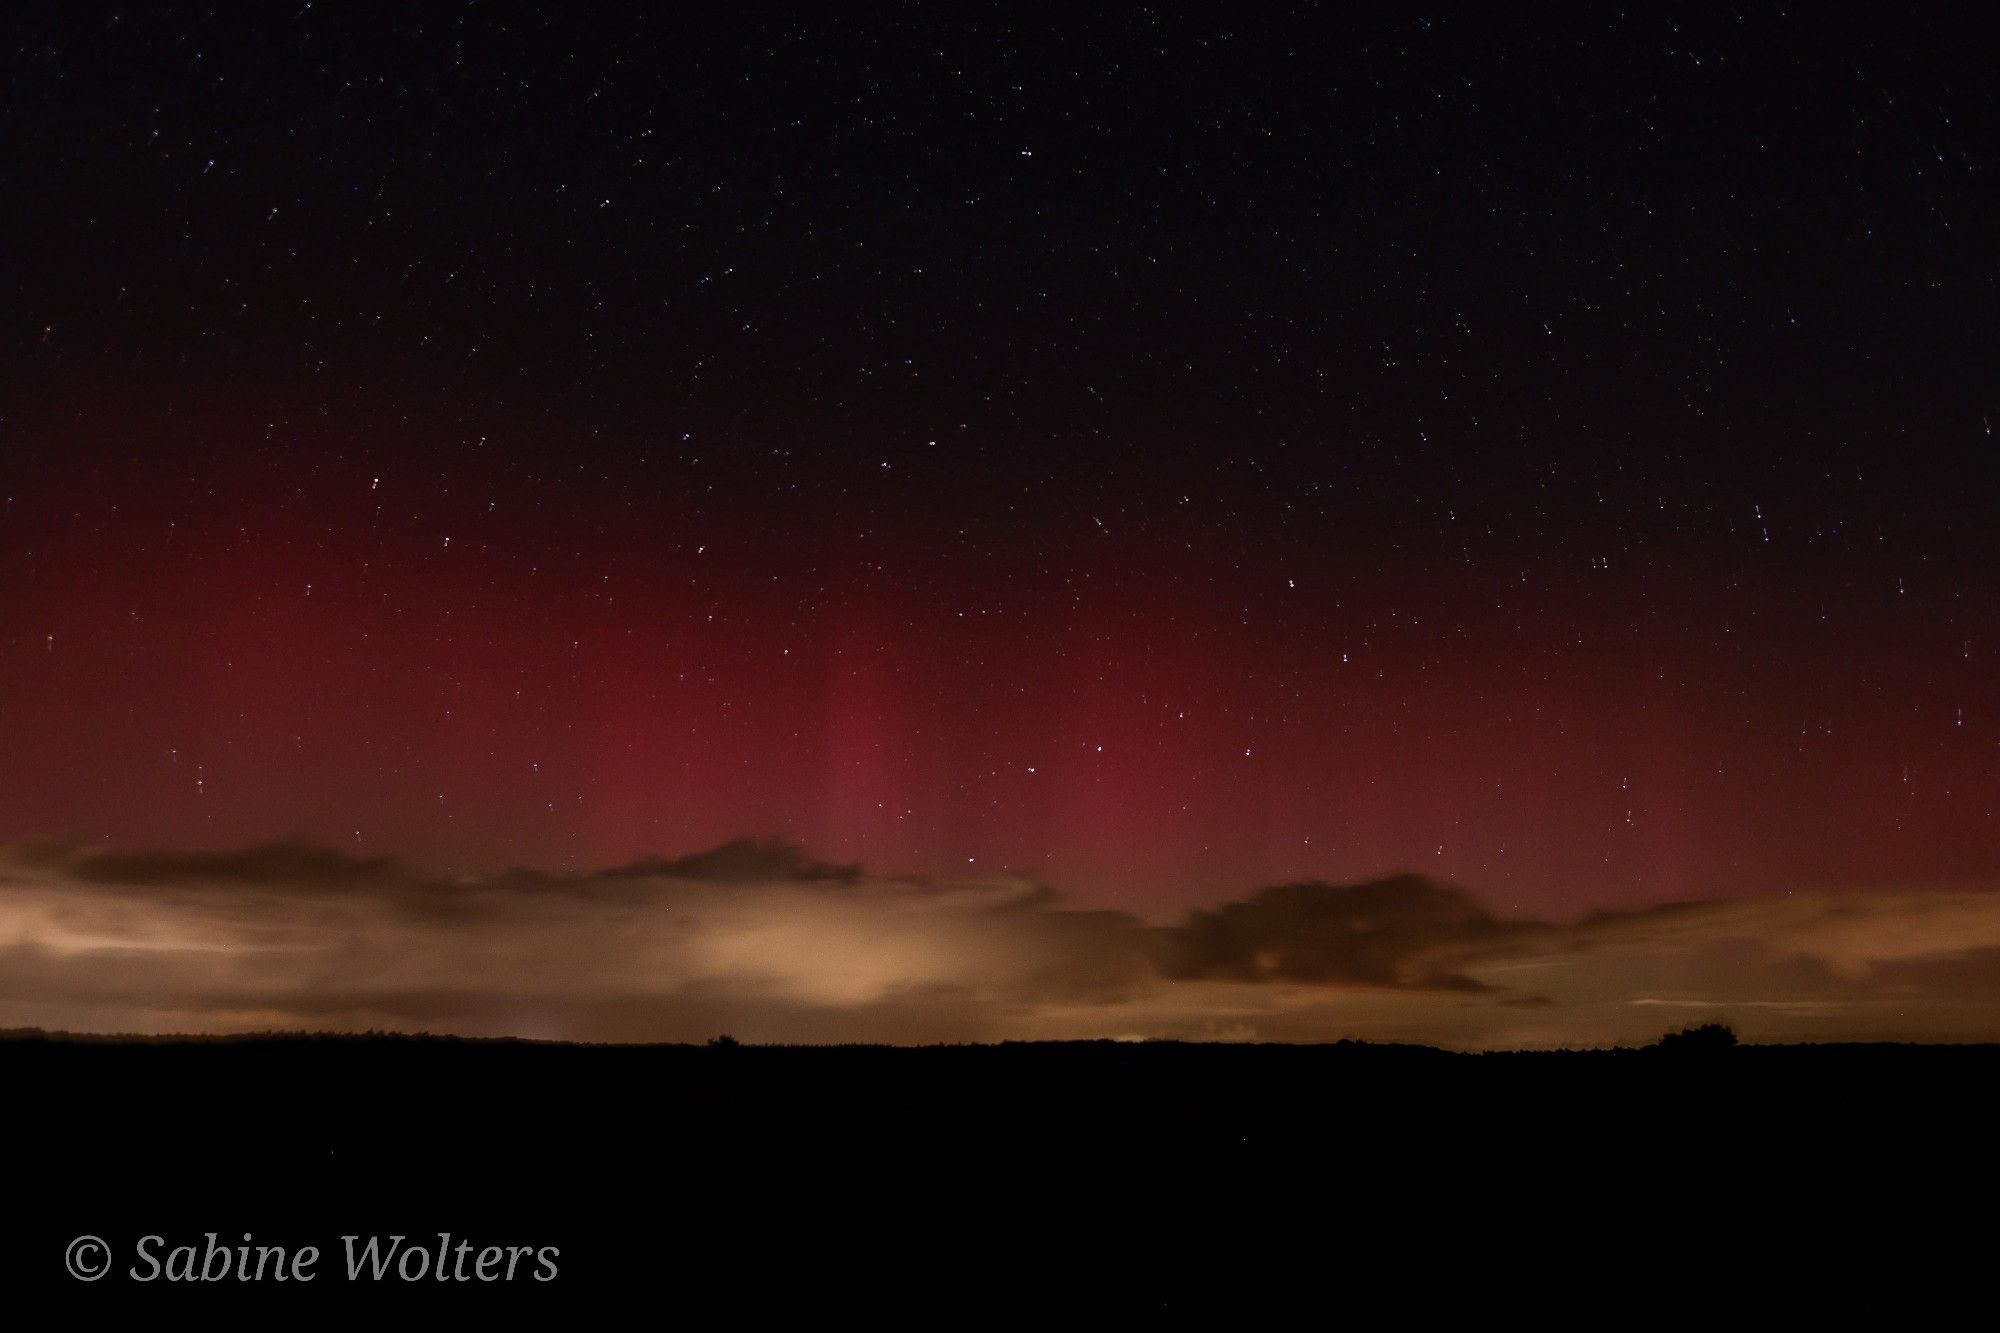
<point>1698,1040</point>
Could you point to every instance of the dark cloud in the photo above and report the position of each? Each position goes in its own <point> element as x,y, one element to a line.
<point>743,861</point>
<point>290,864</point>
<point>1397,932</point>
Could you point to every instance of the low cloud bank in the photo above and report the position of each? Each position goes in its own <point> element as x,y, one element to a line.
<point>757,939</point>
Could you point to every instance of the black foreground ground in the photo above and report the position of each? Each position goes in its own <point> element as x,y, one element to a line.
<point>966,1183</point>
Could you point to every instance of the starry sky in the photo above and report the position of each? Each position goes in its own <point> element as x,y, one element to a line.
<point>1154,452</point>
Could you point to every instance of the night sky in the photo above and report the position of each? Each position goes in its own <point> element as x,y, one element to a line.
<point>1154,453</point>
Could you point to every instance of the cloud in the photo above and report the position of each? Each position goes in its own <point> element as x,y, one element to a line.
<point>285,864</point>
<point>753,937</point>
<point>758,939</point>
<point>1398,932</point>
<point>743,861</point>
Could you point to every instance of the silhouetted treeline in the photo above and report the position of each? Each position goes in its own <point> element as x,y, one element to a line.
<point>1119,1177</point>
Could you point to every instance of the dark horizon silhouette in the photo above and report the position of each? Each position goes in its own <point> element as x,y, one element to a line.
<point>1127,1180</point>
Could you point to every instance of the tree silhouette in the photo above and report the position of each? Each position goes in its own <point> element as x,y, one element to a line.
<point>1709,1037</point>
